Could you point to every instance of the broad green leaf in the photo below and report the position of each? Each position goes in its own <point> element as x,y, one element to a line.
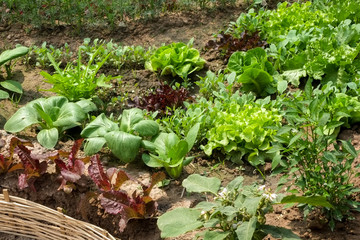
<point>93,145</point>
<point>179,221</point>
<point>206,206</point>
<point>293,76</point>
<point>192,135</point>
<point>147,128</point>
<point>235,183</point>
<point>280,232</point>
<point>48,137</point>
<point>198,183</point>
<point>177,153</point>
<point>152,161</point>
<point>246,230</point>
<point>252,204</point>
<point>214,235</point>
<point>129,118</point>
<point>86,105</point>
<point>23,118</point>
<point>12,54</point>
<point>4,95</point>
<point>255,80</point>
<point>69,116</point>
<point>99,127</point>
<point>123,145</point>
<point>12,86</point>
<point>311,200</point>
<point>236,62</point>
<point>282,86</point>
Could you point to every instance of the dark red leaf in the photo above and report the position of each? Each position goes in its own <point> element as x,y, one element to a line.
<point>162,99</point>
<point>98,175</point>
<point>74,150</point>
<point>227,44</point>
<point>60,164</point>
<point>70,176</point>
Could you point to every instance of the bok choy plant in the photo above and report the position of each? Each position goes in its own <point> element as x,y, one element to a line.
<point>124,137</point>
<point>53,115</point>
<point>169,151</point>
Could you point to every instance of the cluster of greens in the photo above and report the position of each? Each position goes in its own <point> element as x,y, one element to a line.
<point>178,59</point>
<point>318,40</point>
<point>243,129</point>
<point>253,71</point>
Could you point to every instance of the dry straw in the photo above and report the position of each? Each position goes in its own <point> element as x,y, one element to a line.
<point>26,218</point>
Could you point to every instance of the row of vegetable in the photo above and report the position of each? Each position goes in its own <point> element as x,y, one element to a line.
<point>284,96</point>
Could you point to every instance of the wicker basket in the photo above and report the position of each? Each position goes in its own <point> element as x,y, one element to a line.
<point>26,218</point>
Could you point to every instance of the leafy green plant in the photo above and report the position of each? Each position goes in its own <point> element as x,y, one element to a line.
<point>254,71</point>
<point>237,212</point>
<point>78,82</point>
<point>168,151</point>
<point>54,115</point>
<point>243,129</point>
<point>124,137</point>
<point>5,57</point>
<point>177,59</point>
<point>319,164</point>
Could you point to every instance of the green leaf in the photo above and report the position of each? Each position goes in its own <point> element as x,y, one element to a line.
<point>192,135</point>
<point>295,138</point>
<point>282,86</point>
<point>152,161</point>
<point>23,118</point>
<point>252,204</point>
<point>123,145</point>
<point>198,183</point>
<point>235,183</point>
<point>348,147</point>
<point>311,200</point>
<point>280,232</point>
<point>177,153</point>
<point>87,105</point>
<point>12,54</point>
<point>4,95</point>
<point>69,116</point>
<point>99,127</point>
<point>255,80</point>
<point>179,221</point>
<point>93,145</point>
<point>129,118</point>
<point>236,62</point>
<point>293,76</point>
<point>12,86</point>
<point>246,230</point>
<point>215,235</point>
<point>147,128</point>
<point>48,137</point>
<point>330,157</point>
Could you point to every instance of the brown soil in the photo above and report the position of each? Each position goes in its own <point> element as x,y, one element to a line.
<point>165,29</point>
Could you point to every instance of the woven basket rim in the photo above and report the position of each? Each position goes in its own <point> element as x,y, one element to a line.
<point>26,218</point>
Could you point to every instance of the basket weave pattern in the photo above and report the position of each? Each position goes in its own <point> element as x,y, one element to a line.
<point>26,218</point>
